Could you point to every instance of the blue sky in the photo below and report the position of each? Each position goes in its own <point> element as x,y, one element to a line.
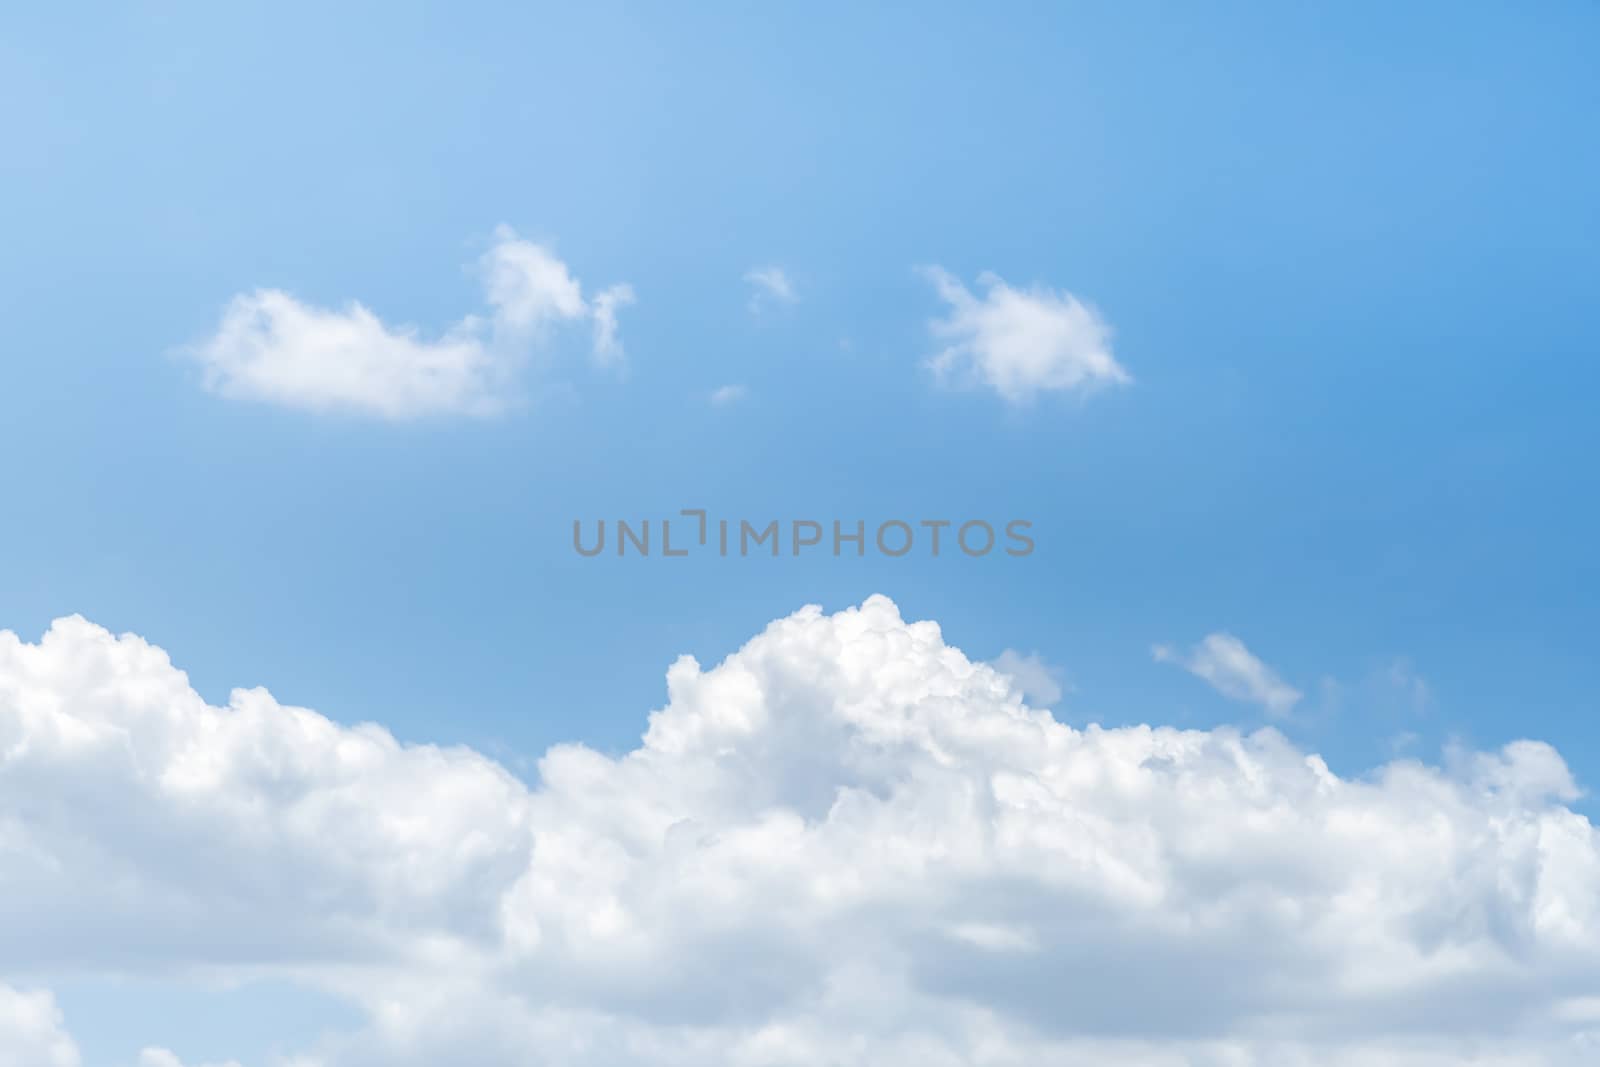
<point>1346,252</point>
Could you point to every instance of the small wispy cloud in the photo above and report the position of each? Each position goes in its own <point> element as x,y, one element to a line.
<point>728,394</point>
<point>1041,684</point>
<point>1020,342</point>
<point>1223,661</point>
<point>1413,688</point>
<point>607,347</point>
<point>770,285</point>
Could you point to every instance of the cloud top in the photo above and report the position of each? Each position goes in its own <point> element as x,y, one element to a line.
<point>847,843</point>
<point>32,1032</point>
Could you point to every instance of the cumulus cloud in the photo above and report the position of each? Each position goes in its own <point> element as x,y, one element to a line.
<point>1020,342</point>
<point>846,844</point>
<point>1234,671</point>
<point>770,285</point>
<point>272,347</point>
<point>31,1033</point>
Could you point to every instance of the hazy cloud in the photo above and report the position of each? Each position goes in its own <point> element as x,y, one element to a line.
<point>1233,670</point>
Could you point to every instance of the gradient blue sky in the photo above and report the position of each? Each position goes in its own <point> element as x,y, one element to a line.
<point>1349,255</point>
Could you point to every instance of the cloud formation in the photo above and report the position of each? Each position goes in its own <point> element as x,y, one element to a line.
<point>770,285</point>
<point>1039,682</point>
<point>845,844</point>
<point>1223,661</point>
<point>272,347</point>
<point>1020,342</point>
<point>31,1032</point>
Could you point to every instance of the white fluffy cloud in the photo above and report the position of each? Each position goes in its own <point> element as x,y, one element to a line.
<point>273,347</point>
<point>1234,671</point>
<point>846,844</point>
<point>31,1033</point>
<point>1020,342</point>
